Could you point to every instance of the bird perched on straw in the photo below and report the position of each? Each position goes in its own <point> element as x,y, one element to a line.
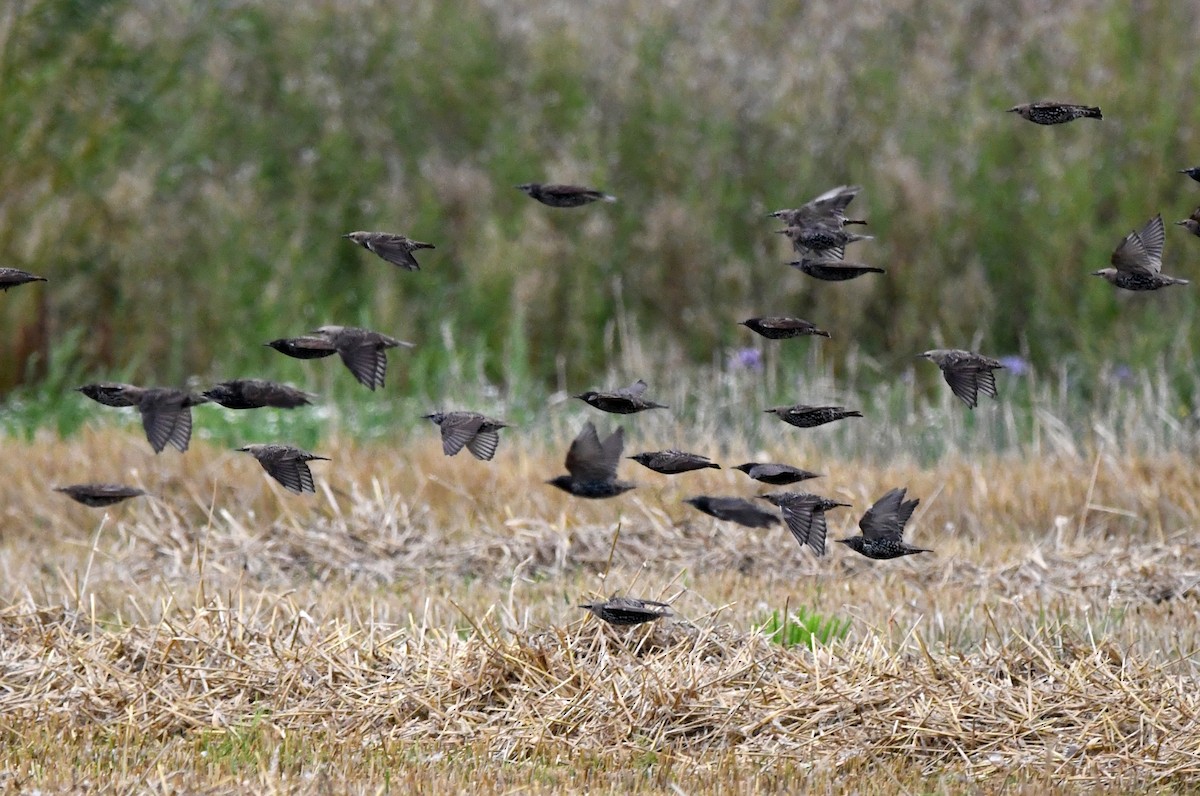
<point>966,372</point>
<point>828,208</point>
<point>592,465</point>
<point>287,464</point>
<point>804,514</point>
<point>673,462</point>
<point>479,433</point>
<point>802,416</point>
<point>782,328</point>
<point>775,474</point>
<point>1055,112</point>
<point>395,249</point>
<point>883,528</point>
<point>622,401</point>
<point>733,509</point>
<point>1191,223</point>
<point>1137,260</point>
<point>556,195</point>
<point>624,611</point>
<point>12,277</point>
<point>833,270</point>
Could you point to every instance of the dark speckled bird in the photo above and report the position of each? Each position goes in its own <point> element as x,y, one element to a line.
<point>824,240</point>
<point>829,207</point>
<point>1137,261</point>
<point>1055,112</point>
<point>623,401</point>
<point>12,277</point>
<point>628,610</point>
<point>775,474</point>
<point>286,464</point>
<point>99,495</point>
<point>1191,223</point>
<point>734,509</point>
<point>257,393</point>
<point>673,462</point>
<point>478,433</point>
<point>833,270</point>
<point>396,249</point>
<point>802,416</point>
<point>966,372</point>
<point>782,328</point>
<point>564,195</point>
<point>109,393</point>
<point>592,465</point>
<point>363,351</point>
<point>309,346</point>
<point>166,412</point>
<point>804,514</point>
<point>883,528</point>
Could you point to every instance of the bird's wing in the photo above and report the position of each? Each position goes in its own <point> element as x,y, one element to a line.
<point>585,457</point>
<point>986,382</point>
<point>290,471</point>
<point>181,431</point>
<point>964,382</point>
<point>483,445</point>
<point>1153,236</point>
<point>1141,250</point>
<point>612,447</point>
<point>635,390</point>
<point>366,362</point>
<point>396,250</point>
<point>159,423</point>
<point>882,520</point>
<point>457,431</point>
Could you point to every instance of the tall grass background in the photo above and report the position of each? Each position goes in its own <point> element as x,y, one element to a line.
<point>182,173</point>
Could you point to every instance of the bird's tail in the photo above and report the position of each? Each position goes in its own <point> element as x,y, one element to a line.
<point>1092,113</point>
<point>1179,281</point>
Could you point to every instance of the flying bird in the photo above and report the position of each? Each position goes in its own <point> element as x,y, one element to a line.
<point>363,351</point>
<point>166,412</point>
<point>12,277</point>
<point>734,509</point>
<point>833,270</point>
<point>804,514</point>
<point>1193,172</point>
<point>802,416</point>
<point>1055,112</point>
<point>1191,223</point>
<point>781,328</point>
<point>256,393</point>
<point>823,239</point>
<point>396,249</point>
<point>775,474</point>
<point>286,464</point>
<point>622,401</point>
<point>99,495</point>
<point>309,346</point>
<point>829,207</point>
<point>478,433</point>
<point>673,462</point>
<point>966,372</point>
<point>564,195</point>
<point>1137,260</point>
<point>883,528</point>
<point>628,610</point>
<point>592,465</point>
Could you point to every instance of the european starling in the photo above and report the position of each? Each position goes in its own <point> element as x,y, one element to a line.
<point>803,416</point>
<point>828,207</point>
<point>673,462</point>
<point>1191,223</point>
<point>824,240</point>
<point>628,610</point>
<point>804,514</point>
<point>256,393</point>
<point>11,277</point>
<point>966,372</point>
<point>1055,112</point>
<point>1137,260</point>
<point>309,346</point>
<point>286,464</point>
<point>363,351</point>
<point>99,495</point>
<point>1193,172</point>
<point>883,528</point>
<point>833,270</point>
<point>592,465</point>
<point>734,509</point>
<point>623,401</point>
<point>564,195</point>
<point>779,328</point>
<point>166,412</point>
<point>477,432</point>
<point>775,474</point>
<point>396,249</point>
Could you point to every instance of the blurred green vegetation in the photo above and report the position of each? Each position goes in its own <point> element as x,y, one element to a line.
<point>183,172</point>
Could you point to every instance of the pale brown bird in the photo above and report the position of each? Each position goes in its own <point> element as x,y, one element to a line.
<point>363,351</point>
<point>396,249</point>
<point>592,465</point>
<point>479,433</point>
<point>564,195</point>
<point>628,610</point>
<point>286,464</point>
<point>1137,260</point>
<point>1055,112</point>
<point>99,495</point>
<point>966,372</point>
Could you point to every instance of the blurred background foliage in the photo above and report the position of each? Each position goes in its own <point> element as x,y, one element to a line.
<point>182,173</point>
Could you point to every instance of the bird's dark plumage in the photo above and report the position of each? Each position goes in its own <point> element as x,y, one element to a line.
<point>1137,260</point>
<point>833,270</point>
<point>309,346</point>
<point>1055,112</point>
<point>478,433</point>
<point>623,401</point>
<point>781,328</point>
<point>967,373</point>
<point>821,239</point>
<point>363,351</point>
<point>109,393</point>
<point>734,509</point>
<point>673,462</point>
<point>99,495</point>
<point>1193,172</point>
<point>883,528</point>
<point>592,465</point>
<point>775,474</point>
<point>803,416</point>
<point>564,195</point>
<point>396,249</point>
<point>256,393</point>
<point>286,464</point>
<point>166,412</point>
<point>628,610</point>
<point>804,514</point>
<point>12,277</point>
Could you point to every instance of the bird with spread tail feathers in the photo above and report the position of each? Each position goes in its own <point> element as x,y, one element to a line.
<point>478,433</point>
<point>883,528</point>
<point>804,514</point>
<point>287,464</point>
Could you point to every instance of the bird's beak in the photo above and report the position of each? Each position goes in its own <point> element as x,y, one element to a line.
<point>1180,223</point>
<point>1097,273</point>
<point>842,541</point>
<point>922,356</point>
<point>1010,110</point>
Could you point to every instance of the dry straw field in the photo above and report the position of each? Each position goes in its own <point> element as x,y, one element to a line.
<point>413,626</point>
